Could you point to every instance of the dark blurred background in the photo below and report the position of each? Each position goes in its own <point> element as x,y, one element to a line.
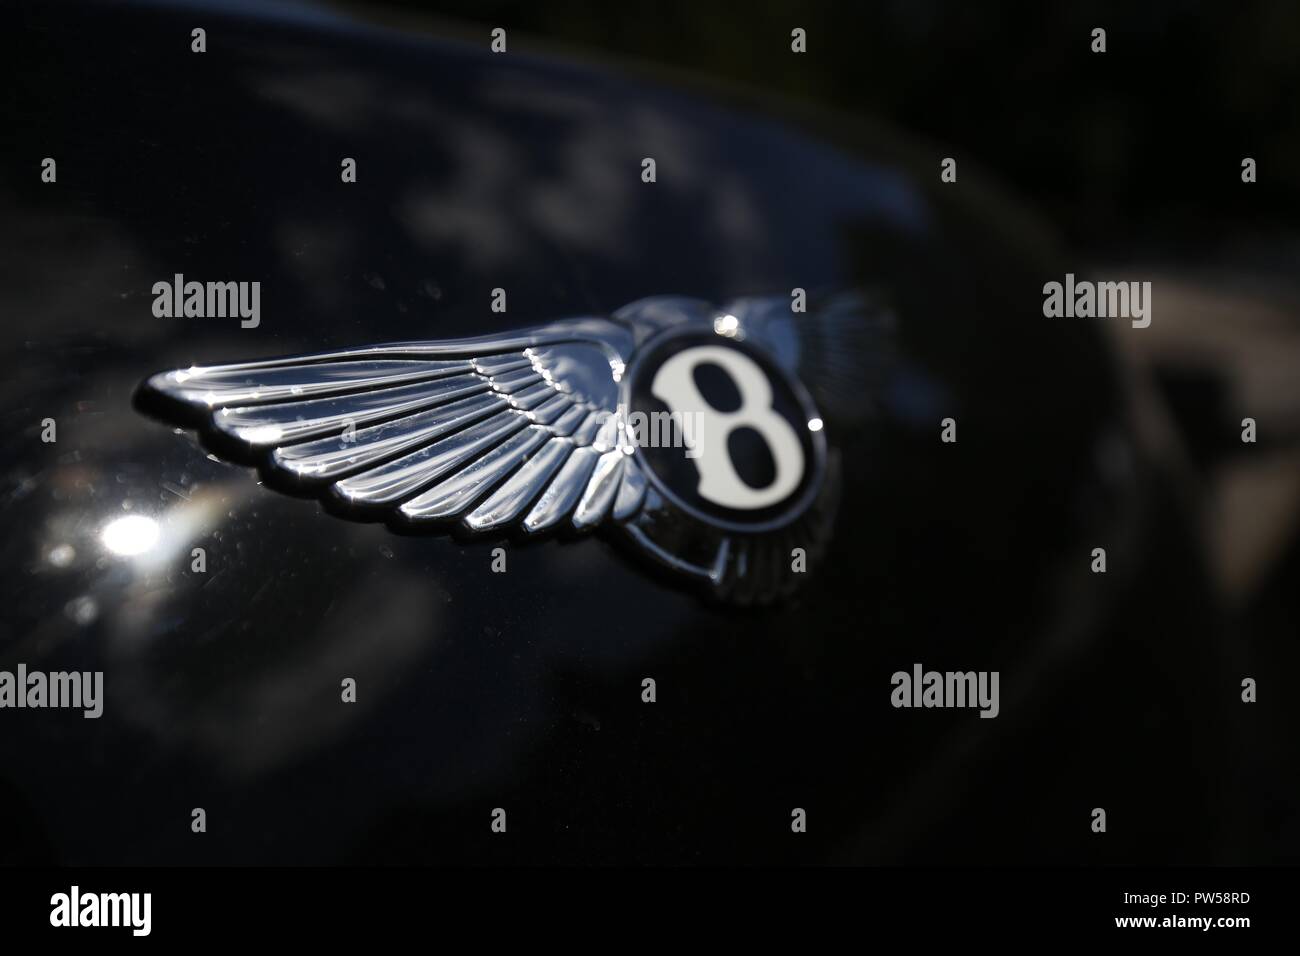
<point>1136,150</point>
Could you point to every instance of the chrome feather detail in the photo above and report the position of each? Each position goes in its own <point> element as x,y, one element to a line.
<point>493,431</point>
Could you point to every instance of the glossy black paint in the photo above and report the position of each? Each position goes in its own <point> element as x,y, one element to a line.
<point>522,690</point>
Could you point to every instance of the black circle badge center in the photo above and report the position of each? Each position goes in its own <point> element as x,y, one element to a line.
<point>724,433</point>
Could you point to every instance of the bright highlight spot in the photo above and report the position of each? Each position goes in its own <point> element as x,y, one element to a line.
<point>726,325</point>
<point>814,424</point>
<point>131,535</point>
<point>261,434</point>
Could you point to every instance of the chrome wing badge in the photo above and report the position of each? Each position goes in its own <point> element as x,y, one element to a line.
<point>671,422</point>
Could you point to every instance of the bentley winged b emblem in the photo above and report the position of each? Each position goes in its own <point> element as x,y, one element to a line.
<point>670,421</point>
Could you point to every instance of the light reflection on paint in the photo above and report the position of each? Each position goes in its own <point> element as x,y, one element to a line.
<point>82,610</point>
<point>130,535</point>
